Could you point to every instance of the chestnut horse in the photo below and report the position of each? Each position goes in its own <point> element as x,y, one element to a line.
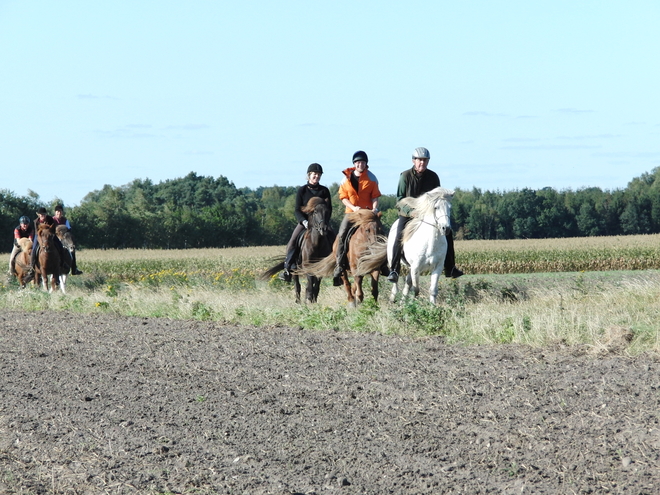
<point>315,244</point>
<point>366,230</point>
<point>22,261</point>
<point>49,261</point>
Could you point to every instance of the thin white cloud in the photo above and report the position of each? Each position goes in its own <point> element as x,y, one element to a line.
<point>188,127</point>
<point>548,147</point>
<point>629,154</point>
<point>590,136</point>
<point>90,96</point>
<point>125,133</point>
<point>198,152</point>
<point>573,110</point>
<point>481,113</point>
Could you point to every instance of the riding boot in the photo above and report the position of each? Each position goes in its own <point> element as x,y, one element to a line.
<point>285,275</point>
<point>397,251</point>
<point>33,257</point>
<point>74,265</point>
<point>450,262</point>
<point>339,267</point>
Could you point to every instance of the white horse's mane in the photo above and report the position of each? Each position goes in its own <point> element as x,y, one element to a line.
<point>423,206</point>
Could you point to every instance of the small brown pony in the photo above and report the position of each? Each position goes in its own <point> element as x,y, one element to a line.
<point>366,230</point>
<point>49,261</point>
<point>22,261</point>
<point>315,244</point>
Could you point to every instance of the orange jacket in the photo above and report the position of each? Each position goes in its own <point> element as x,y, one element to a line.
<point>366,193</point>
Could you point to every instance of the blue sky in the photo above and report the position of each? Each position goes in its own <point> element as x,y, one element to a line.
<point>505,95</point>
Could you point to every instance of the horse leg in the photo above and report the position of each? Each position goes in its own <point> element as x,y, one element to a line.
<point>374,284</point>
<point>435,278</point>
<point>63,283</point>
<point>44,280</point>
<point>395,291</point>
<point>359,293</point>
<point>312,289</point>
<point>412,281</point>
<point>296,284</point>
<point>347,287</point>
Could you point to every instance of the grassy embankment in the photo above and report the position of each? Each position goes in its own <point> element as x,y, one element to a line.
<point>538,292</point>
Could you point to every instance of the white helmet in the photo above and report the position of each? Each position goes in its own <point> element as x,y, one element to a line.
<point>421,153</point>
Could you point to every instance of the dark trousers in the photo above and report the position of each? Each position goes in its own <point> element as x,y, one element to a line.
<point>292,246</point>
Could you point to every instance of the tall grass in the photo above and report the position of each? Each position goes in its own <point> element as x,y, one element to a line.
<point>540,309</point>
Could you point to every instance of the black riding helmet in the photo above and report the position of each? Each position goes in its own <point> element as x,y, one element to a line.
<point>360,156</point>
<point>315,167</point>
<point>24,220</point>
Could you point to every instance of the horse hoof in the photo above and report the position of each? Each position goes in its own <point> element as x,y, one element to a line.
<point>337,282</point>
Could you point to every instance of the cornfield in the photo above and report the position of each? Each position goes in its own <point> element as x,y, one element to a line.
<point>640,252</point>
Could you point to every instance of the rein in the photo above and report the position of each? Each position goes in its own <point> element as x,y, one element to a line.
<point>436,225</point>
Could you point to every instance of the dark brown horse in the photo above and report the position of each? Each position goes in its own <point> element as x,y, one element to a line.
<point>315,244</point>
<point>22,261</point>
<point>366,231</point>
<point>49,261</point>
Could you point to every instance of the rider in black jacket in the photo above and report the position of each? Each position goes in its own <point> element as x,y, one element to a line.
<point>310,190</point>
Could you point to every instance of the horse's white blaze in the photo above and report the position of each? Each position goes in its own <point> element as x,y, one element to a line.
<point>426,249</point>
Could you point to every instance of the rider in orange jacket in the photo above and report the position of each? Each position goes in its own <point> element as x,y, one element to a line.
<point>359,190</point>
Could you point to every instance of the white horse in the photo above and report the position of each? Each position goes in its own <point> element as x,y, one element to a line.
<point>424,239</point>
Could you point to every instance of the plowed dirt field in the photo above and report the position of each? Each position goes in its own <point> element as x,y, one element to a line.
<point>104,404</point>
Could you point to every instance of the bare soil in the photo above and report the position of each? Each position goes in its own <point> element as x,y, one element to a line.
<point>103,404</point>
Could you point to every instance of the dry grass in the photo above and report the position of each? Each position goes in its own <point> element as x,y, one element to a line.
<point>576,308</point>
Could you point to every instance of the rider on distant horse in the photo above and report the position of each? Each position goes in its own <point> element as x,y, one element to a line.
<point>44,218</point>
<point>60,219</point>
<point>23,229</point>
<point>305,193</point>
<point>413,183</point>
<point>358,190</point>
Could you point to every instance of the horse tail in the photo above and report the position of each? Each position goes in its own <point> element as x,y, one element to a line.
<point>374,257</point>
<point>274,270</point>
<point>321,268</point>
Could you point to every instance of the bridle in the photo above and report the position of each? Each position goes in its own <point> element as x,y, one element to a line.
<point>437,219</point>
<point>318,216</point>
<point>48,244</point>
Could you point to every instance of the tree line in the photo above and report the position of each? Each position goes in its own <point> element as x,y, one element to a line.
<point>199,212</point>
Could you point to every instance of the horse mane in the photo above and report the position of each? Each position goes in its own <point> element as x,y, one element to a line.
<point>44,226</point>
<point>421,207</point>
<point>312,204</point>
<point>60,230</point>
<point>25,243</point>
<point>363,217</point>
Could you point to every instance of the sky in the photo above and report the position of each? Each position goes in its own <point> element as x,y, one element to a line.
<point>506,95</point>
